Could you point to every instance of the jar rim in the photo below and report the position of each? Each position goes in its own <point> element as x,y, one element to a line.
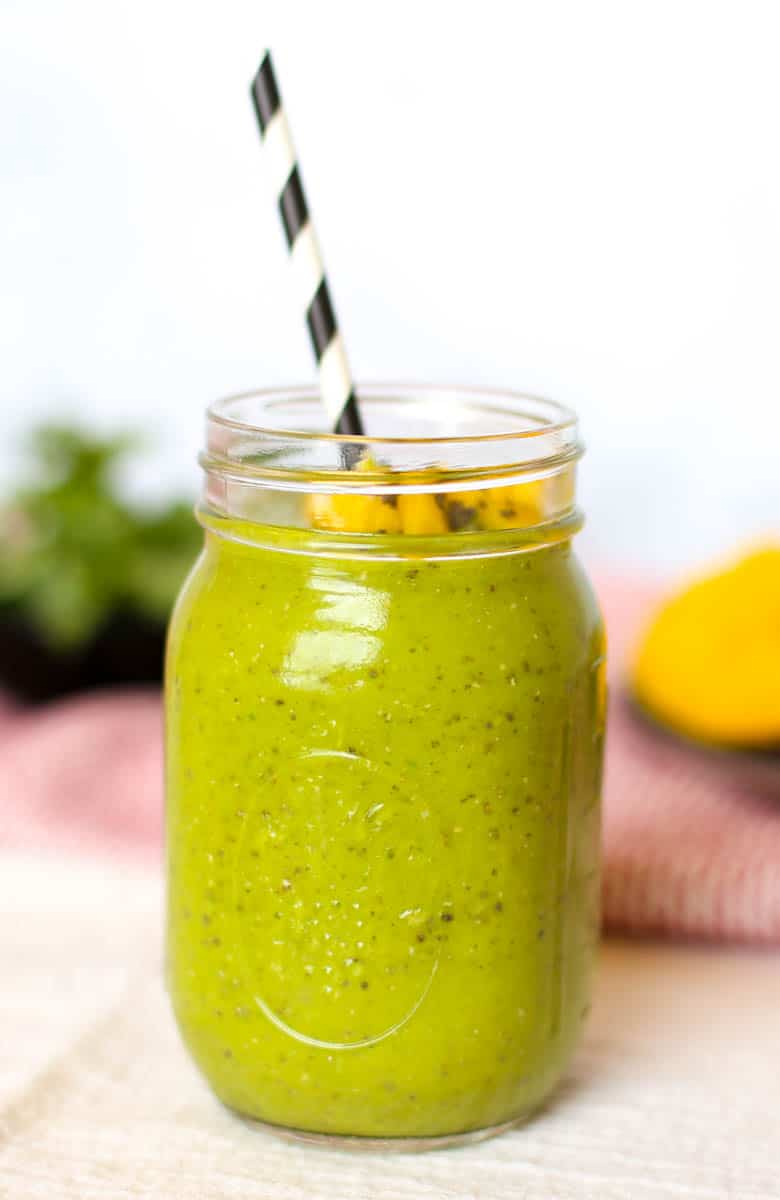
<point>559,419</point>
<point>255,463</point>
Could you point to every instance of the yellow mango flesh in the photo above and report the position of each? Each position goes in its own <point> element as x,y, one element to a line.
<point>709,663</point>
<point>352,514</point>
<point>357,512</point>
<point>503,507</point>
<point>423,513</point>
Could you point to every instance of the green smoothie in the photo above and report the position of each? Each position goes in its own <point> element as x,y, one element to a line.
<point>383,827</point>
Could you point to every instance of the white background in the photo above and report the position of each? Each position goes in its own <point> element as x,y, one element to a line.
<point>581,199</point>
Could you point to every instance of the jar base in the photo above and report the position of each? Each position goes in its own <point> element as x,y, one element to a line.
<point>398,1145</point>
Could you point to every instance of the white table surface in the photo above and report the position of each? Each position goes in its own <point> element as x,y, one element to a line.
<point>676,1091</point>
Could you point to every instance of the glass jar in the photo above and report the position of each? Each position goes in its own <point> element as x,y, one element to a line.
<point>385,714</point>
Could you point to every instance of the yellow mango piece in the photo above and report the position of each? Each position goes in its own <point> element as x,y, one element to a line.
<point>345,513</point>
<point>709,663</point>
<point>353,512</point>
<point>461,509</point>
<point>502,507</point>
<point>421,514</point>
<point>513,507</point>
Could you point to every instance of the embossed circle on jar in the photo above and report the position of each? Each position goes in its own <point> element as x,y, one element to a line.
<point>335,884</point>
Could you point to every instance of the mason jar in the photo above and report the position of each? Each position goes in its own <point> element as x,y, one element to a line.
<point>385,718</point>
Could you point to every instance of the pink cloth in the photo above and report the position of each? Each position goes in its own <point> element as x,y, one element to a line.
<point>691,842</point>
<point>83,774</point>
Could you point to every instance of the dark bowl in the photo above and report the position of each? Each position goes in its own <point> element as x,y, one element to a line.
<point>756,767</point>
<point>127,649</point>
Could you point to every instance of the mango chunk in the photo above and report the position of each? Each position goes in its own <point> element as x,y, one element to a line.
<point>424,513</point>
<point>709,663</point>
<point>421,514</point>
<point>353,512</point>
<point>512,507</point>
<point>498,508</point>
<point>346,513</point>
<point>417,513</point>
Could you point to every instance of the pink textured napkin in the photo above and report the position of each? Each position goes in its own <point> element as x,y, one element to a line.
<point>692,842</point>
<point>83,774</point>
<point>691,838</point>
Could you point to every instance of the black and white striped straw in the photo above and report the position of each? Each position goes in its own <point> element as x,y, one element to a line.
<point>338,394</point>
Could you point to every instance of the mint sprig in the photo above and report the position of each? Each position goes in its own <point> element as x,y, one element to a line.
<point>73,551</point>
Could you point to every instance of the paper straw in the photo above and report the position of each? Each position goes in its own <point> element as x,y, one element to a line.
<point>338,395</point>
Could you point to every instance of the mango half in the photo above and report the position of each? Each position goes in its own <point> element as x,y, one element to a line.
<point>708,665</point>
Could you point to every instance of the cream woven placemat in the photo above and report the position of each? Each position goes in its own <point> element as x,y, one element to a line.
<point>676,1092</point>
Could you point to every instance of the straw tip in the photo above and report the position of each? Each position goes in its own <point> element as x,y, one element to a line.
<point>265,65</point>
<point>265,92</point>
